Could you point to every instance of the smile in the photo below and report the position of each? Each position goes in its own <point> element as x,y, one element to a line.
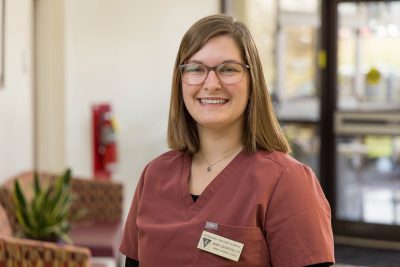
<point>212,101</point>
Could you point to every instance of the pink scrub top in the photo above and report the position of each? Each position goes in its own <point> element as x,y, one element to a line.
<point>267,201</point>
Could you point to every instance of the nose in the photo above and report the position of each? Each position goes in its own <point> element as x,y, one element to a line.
<point>212,81</point>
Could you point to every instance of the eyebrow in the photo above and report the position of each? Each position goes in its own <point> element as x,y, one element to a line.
<point>225,61</point>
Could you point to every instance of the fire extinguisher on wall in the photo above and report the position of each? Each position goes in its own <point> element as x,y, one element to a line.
<point>104,142</point>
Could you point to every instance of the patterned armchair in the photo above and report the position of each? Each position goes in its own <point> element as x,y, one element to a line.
<point>24,252</point>
<point>100,230</point>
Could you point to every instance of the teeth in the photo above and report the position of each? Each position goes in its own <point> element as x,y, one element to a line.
<point>212,101</point>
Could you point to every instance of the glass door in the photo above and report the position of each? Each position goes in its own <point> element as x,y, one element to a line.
<point>286,34</point>
<point>368,59</point>
<point>333,70</point>
<point>367,120</point>
<point>297,88</point>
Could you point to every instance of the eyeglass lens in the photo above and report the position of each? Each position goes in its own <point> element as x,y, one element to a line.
<point>228,73</point>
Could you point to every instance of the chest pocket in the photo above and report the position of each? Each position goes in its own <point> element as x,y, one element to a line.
<point>254,254</point>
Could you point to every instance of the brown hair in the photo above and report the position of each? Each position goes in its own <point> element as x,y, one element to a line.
<point>261,130</point>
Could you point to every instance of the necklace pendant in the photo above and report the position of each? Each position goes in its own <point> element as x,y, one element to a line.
<point>209,168</point>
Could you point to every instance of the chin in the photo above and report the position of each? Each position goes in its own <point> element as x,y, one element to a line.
<point>215,124</point>
<point>210,124</point>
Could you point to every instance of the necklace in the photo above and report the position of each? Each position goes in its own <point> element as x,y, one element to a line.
<point>209,168</point>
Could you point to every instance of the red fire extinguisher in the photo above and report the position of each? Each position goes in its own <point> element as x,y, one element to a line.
<point>104,141</point>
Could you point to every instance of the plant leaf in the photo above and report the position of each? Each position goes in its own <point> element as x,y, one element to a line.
<point>47,215</point>
<point>65,237</point>
<point>22,211</point>
<point>79,214</point>
<point>61,185</point>
<point>37,184</point>
<point>19,196</point>
<point>23,221</point>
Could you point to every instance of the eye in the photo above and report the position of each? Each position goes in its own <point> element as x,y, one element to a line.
<point>229,68</point>
<point>195,68</point>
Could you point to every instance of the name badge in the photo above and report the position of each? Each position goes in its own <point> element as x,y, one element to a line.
<point>220,246</point>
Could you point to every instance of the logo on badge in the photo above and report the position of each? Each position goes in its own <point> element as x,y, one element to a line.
<point>206,241</point>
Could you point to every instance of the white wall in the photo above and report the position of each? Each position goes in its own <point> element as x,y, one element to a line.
<point>119,51</point>
<point>122,52</point>
<point>16,127</point>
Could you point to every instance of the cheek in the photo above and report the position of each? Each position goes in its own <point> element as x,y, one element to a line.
<point>185,91</point>
<point>189,92</point>
<point>245,88</point>
<point>245,92</point>
<point>187,96</point>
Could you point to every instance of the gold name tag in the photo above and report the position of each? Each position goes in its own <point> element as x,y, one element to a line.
<point>220,246</point>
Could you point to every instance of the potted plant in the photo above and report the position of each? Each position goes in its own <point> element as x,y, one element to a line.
<point>46,216</point>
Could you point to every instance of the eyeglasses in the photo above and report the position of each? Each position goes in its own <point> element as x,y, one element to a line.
<point>227,73</point>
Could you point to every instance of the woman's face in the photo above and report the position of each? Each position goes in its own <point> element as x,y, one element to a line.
<point>214,104</point>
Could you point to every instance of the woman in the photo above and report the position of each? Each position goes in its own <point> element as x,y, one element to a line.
<point>227,194</point>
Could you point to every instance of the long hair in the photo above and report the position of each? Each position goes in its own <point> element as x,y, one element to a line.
<point>261,130</point>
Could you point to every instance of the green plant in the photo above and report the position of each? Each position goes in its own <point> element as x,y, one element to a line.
<point>46,215</point>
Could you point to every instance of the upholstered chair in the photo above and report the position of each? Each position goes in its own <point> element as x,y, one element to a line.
<point>25,252</point>
<point>100,230</point>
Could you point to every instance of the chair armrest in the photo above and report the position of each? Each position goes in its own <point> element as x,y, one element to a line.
<point>26,252</point>
<point>8,205</point>
<point>101,199</point>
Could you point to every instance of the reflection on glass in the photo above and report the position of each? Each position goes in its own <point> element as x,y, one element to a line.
<point>260,16</point>
<point>368,60</point>
<point>299,6</point>
<point>285,33</point>
<point>297,46</point>
<point>299,62</point>
<point>368,184</point>
<point>305,143</point>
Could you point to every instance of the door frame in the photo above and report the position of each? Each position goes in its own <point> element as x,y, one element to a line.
<point>328,74</point>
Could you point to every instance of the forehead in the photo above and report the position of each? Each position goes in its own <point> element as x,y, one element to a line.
<point>217,50</point>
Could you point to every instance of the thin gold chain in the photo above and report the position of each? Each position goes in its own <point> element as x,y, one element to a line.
<point>209,167</point>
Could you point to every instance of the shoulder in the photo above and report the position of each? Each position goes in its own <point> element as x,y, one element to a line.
<point>298,215</point>
<point>166,161</point>
<point>276,161</point>
<point>281,167</point>
<point>171,155</point>
<point>293,180</point>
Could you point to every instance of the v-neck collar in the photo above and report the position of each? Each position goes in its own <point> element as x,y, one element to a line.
<point>228,172</point>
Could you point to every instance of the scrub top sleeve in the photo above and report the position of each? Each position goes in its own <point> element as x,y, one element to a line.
<point>129,244</point>
<point>298,220</point>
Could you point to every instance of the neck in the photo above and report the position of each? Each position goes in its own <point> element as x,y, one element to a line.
<point>216,145</point>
